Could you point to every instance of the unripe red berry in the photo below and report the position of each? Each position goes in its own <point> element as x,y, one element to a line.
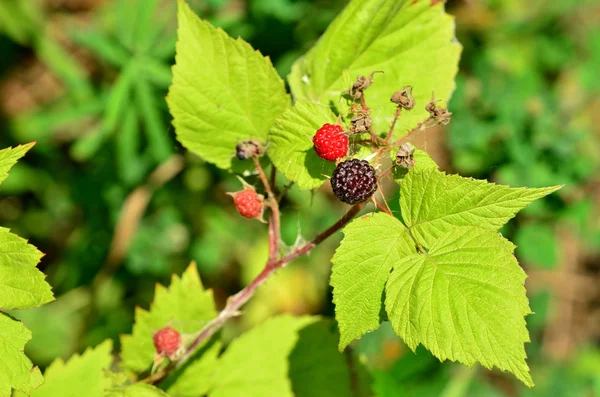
<point>330,142</point>
<point>167,341</point>
<point>248,203</point>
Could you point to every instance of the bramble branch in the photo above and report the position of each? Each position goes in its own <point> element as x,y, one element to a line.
<point>235,302</point>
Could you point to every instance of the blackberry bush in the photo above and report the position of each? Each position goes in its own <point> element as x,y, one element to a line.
<point>439,269</point>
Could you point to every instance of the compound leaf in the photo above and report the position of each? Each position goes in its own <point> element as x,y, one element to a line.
<point>412,42</point>
<point>256,364</point>
<point>16,370</point>
<point>291,146</point>
<point>223,91</point>
<point>361,267</point>
<point>464,300</point>
<point>434,203</point>
<point>84,375</point>
<point>185,306</point>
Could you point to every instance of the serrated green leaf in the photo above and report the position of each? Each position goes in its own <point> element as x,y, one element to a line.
<point>291,147</point>
<point>10,156</point>
<point>412,42</point>
<point>185,306</point>
<point>434,203</point>
<point>422,162</point>
<point>223,90</point>
<point>16,370</point>
<point>83,375</point>
<point>330,378</point>
<point>194,379</point>
<point>22,285</point>
<point>256,364</point>
<point>464,300</point>
<point>361,266</point>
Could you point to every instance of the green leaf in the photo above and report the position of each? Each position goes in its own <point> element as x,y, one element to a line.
<point>256,364</point>
<point>138,390</point>
<point>330,378</point>
<point>16,370</point>
<point>412,42</point>
<point>9,157</point>
<point>291,148</point>
<point>464,300</point>
<point>361,266</point>
<point>223,91</point>
<point>434,203</point>
<point>422,162</point>
<point>185,306</point>
<point>195,377</point>
<point>83,375</point>
<point>22,285</point>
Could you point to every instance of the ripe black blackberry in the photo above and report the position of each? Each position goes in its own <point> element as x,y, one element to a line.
<point>353,181</point>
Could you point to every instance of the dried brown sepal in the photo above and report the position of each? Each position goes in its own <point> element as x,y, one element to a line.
<point>361,84</point>
<point>405,156</point>
<point>440,115</point>
<point>361,122</point>
<point>248,149</point>
<point>404,98</point>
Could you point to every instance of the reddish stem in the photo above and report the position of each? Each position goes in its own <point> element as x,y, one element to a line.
<point>235,302</point>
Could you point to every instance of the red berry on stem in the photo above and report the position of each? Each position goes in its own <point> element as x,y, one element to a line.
<point>330,142</point>
<point>167,341</point>
<point>248,203</point>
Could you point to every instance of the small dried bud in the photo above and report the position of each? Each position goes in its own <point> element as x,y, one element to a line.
<point>361,122</point>
<point>439,114</point>
<point>404,156</point>
<point>361,84</point>
<point>248,149</point>
<point>404,98</point>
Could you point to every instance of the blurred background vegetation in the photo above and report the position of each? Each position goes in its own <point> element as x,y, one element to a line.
<point>117,205</point>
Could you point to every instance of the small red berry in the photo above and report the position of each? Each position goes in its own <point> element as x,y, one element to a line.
<point>248,203</point>
<point>330,142</point>
<point>167,341</point>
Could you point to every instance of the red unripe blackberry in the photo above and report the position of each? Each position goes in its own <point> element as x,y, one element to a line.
<point>167,341</point>
<point>353,181</point>
<point>330,142</point>
<point>248,203</point>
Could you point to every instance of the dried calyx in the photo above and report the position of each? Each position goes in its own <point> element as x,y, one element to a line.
<point>361,84</point>
<point>437,113</point>
<point>248,149</point>
<point>361,122</point>
<point>404,98</point>
<point>405,155</point>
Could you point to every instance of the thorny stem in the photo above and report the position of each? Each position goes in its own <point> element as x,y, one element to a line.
<point>391,131</point>
<point>235,302</point>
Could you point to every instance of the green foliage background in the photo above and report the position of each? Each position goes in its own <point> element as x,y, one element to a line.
<point>88,82</point>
